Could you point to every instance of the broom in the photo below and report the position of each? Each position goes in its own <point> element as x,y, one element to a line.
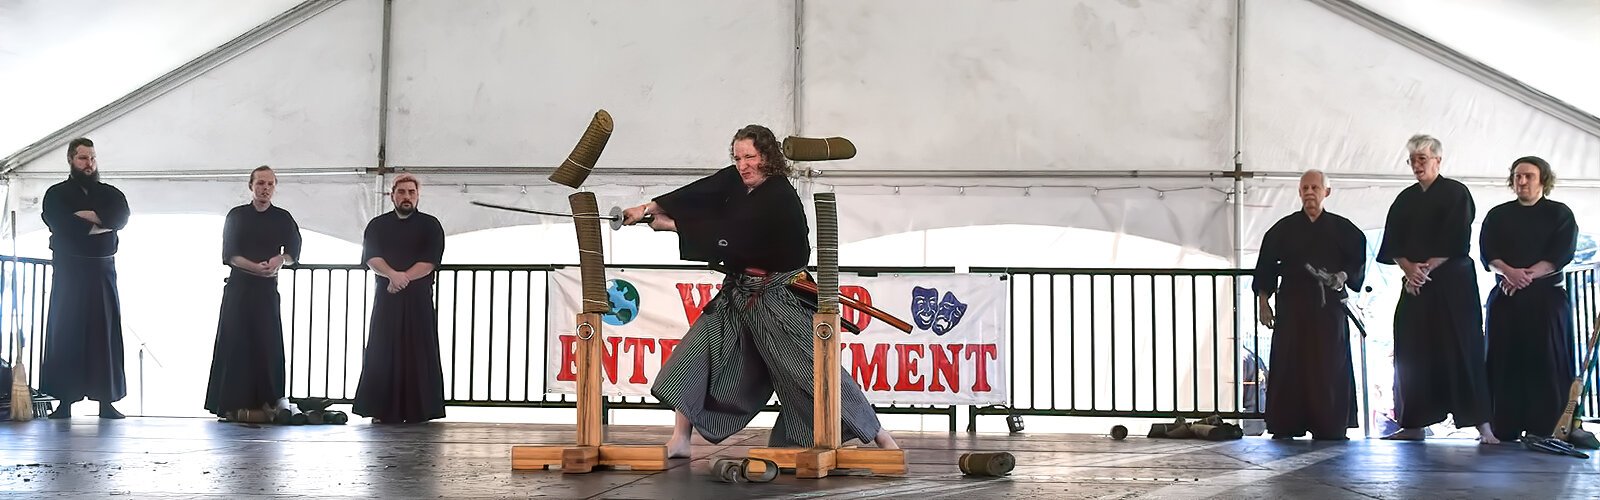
<point>21,397</point>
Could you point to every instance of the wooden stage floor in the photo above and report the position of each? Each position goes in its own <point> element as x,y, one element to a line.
<point>86,457</point>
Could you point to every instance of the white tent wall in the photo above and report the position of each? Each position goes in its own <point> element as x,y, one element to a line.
<point>1342,98</point>
<point>1542,42</point>
<point>92,51</point>
<point>1031,93</point>
<point>514,83</point>
<point>1109,116</point>
<point>1025,85</point>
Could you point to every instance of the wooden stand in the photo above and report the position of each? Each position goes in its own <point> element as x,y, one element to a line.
<point>825,454</point>
<point>590,452</point>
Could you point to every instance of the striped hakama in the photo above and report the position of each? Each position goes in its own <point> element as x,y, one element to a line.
<point>753,339</point>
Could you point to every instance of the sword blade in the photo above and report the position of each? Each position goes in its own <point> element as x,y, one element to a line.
<point>532,211</point>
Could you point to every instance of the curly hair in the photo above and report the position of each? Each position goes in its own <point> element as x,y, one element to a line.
<point>772,160</point>
<point>1547,177</point>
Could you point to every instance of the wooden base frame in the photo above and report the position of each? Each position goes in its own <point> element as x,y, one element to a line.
<point>589,452</point>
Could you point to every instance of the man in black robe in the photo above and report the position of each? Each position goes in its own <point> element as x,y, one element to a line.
<point>1438,323</point>
<point>83,338</point>
<point>1312,386</point>
<point>247,364</point>
<point>754,338</point>
<point>1526,242</point>
<point>401,381</point>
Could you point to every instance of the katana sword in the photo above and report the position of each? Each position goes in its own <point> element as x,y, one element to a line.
<point>615,217</point>
<point>802,282</point>
<point>1327,280</point>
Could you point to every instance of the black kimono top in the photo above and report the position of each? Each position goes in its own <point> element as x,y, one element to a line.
<point>1524,235</point>
<point>403,243</point>
<point>1331,243</point>
<point>258,236</point>
<point>1425,224</point>
<point>69,234</point>
<point>719,221</point>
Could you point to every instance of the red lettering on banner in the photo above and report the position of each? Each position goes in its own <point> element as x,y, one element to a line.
<point>866,370</point>
<point>638,345</point>
<point>610,361</point>
<point>983,352</point>
<point>909,379</point>
<point>919,367</point>
<point>861,295</point>
<point>667,345</point>
<point>949,367</point>
<point>692,305</point>
<point>569,360</point>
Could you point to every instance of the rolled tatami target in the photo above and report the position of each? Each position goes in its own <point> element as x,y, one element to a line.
<point>827,253</point>
<point>591,259</point>
<point>576,168</point>
<point>818,149</point>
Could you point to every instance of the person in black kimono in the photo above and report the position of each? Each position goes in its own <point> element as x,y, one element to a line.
<point>247,362</point>
<point>754,337</point>
<point>1438,322</point>
<point>1312,386</point>
<point>83,336</point>
<point>1526,242</point>
<point>401,381</point>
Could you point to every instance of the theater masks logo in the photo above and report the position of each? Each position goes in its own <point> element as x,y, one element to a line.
<point>934,313</point>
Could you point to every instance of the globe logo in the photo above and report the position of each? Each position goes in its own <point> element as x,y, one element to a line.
<point>624,298</point>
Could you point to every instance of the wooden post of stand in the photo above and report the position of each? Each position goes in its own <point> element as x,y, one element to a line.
<point>821,458</point>
<point>826,453</point>
<point>590,451</point>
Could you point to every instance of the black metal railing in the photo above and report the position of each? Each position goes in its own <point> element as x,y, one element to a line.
<point>1131,343</point>
<point>492,331</point>
<point>25,285</point>
<point>1083,342</point>
<point>1582,289</point>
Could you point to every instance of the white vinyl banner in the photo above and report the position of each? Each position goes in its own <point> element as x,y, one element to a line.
<point>955,353</point>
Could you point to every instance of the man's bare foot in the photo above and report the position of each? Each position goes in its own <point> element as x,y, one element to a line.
<point>678,447</point>
<point>1486,434</point>
<point>1406,435</point>
<point>885,441</point>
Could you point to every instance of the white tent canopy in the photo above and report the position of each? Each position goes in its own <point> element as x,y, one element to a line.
<point>1134,117</point>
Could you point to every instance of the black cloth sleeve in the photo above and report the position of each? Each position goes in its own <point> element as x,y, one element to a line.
<point>292,241</point>
<point>371,241</point>
<point>58,213</point>
<point>1267,263</point>
<point>1563,241</point>
<point>1390,246</point>
<point>1492,239</point>
<point>1455,231</point>
<point>701,198</point>
<point>111,206</point>
<point>433,253</point>
<point>230,237</point>
<point>1353,248</point>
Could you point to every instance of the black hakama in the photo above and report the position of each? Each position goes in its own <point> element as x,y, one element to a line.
<point>1438,334</point>
<point>401,378</point>
<point>83,352</point>
<point>754,337</point>
<point>1530,359</point>
<point>247,360</point>
<point>1311,385</point>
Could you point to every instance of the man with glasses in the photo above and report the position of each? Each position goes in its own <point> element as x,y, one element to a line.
<point>1438,323</point>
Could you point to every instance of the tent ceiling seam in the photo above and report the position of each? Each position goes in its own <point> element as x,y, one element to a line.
<point>1464,64</point>
<point>168,82</point>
